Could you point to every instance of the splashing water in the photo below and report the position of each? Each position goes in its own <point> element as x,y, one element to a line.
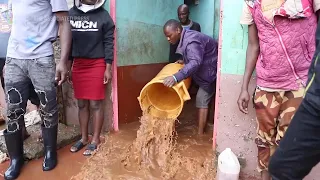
<point>154,154</point>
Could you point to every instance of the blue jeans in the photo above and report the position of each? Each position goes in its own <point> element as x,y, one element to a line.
<point>19,73</point>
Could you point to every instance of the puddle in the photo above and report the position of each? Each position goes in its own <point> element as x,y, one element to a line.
<point>152,149</point>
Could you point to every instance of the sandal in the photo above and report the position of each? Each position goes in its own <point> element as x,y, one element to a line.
<point>77,146</point>
<point>90,149</point>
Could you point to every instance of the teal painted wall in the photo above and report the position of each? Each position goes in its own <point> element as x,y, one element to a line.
<point>235,39</point>
<point>107,5</point>
<point>216,27</point>
<point>203,13</point>
<point>140,38</point>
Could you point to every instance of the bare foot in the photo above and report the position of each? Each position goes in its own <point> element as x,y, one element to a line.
<point>91,148</point>
<point>265,175</point>
<point>201,131</point>
<point>78,145</point>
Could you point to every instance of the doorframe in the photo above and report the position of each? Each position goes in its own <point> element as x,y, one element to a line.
<point>217,98</point>
<point>114,70</point>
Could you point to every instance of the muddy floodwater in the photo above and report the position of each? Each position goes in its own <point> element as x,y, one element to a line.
<point>154,149</point>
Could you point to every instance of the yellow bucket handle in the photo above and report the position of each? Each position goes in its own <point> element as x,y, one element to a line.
<point>186,95</point>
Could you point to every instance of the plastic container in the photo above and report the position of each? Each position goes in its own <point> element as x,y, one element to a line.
<point>161,101</point>
<point>228,166</point>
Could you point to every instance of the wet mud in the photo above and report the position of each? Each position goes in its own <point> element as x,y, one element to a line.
<point>154,149</point>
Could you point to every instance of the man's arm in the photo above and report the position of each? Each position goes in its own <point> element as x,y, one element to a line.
<point>65,35</point>
<point>253,51</point>
<point>195,53</point>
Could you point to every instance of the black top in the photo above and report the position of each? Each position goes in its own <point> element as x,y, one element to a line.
<point>92,34</point>
<point>173,57</point>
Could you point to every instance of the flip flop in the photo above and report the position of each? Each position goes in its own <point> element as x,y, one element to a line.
<point>78,146</point>
<point>90,149</point>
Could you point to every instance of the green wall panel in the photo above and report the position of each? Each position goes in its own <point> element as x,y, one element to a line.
<point>203,13</point>
<point>140,38</point>
<point>234,39</point>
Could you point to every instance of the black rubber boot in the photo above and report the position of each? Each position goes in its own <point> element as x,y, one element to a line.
<point>14,143</point>
<point>49,136</point>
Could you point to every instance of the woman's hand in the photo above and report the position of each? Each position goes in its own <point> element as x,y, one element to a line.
<point>243,101</point>
<point>69,75</point>
<point>107,74</point>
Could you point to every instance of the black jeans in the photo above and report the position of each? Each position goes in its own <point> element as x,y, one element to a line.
<point>299,149</point>
<point>33,96</point>
<point>17,77</point>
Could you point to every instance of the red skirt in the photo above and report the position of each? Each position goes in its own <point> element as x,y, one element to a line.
<point>88,77</point>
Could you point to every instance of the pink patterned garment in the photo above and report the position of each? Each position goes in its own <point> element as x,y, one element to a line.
<point>292,9</point>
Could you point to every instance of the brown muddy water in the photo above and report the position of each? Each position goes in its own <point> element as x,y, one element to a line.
<point>154,149</point>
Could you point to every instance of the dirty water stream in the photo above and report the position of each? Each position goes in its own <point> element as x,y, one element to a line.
<point>154,149</point>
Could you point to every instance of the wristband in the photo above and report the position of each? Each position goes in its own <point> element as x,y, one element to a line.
<point>175,79</point>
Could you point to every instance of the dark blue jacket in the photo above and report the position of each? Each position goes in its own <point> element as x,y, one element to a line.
<point>312,96</point>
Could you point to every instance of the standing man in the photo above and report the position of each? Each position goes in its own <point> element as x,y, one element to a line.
<point>188,24</point>
<point>30,59</point>
<point>200,54</point>
<point>5,28</point>
<point>281,46</point>
<point>299,149</point>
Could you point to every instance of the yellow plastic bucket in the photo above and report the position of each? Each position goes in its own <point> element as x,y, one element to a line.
<point>161,101</point>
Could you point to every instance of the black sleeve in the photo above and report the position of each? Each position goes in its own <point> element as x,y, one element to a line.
<point>108,31</point>
<point>196,27</point>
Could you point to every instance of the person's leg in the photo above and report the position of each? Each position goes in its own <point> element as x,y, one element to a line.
<point>2,63</point>
<point>42,74</point>
<point>289,106</point>
<point>299,149</point>
<point>96,108</point>
<point>84,115</point>
<point>267,106</point>
<point>16,97</point>
<point>202,103</point>
<point>33,96</point>
<point>34,99</point>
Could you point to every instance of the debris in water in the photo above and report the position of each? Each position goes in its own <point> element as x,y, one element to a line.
<point>153,155</point>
